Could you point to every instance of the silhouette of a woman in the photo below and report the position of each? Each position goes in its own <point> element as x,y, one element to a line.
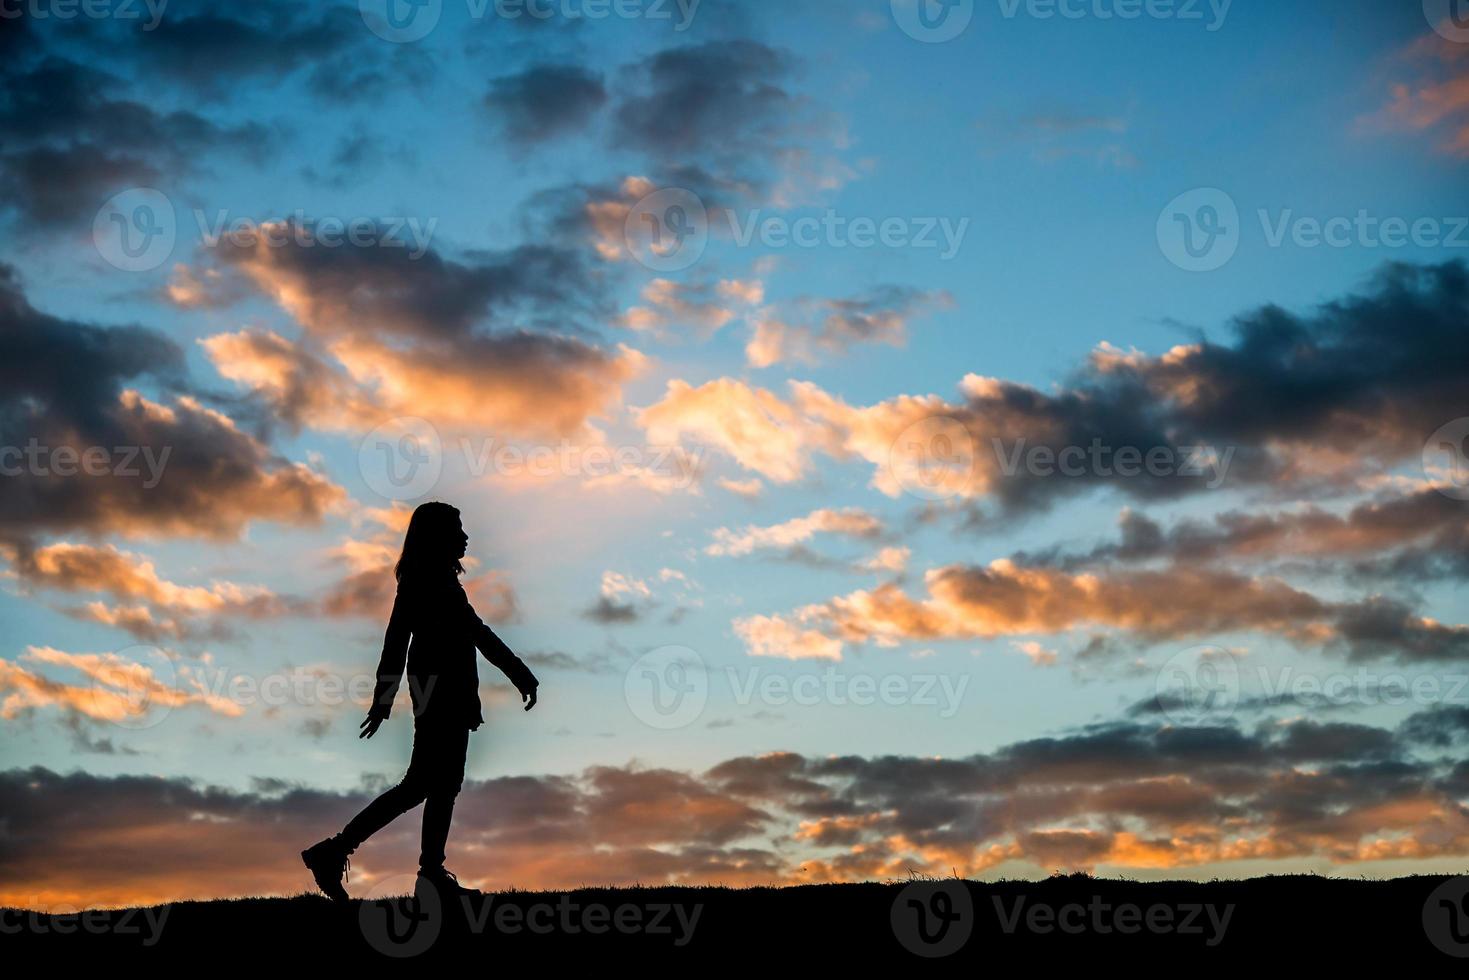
<point>443,682</point>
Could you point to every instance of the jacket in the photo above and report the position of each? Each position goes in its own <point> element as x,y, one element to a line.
<point>443,675</point>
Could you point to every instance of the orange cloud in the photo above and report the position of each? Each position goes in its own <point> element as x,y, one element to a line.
<point>1122,796</point>
<point>850,522</point>
<point>153,607</point>
<point>1438,100</point>
<point>121,690</point>
<point>813,328</point>
<point>531,385</point>
<point>1006,599</point>
<point>699,310</point>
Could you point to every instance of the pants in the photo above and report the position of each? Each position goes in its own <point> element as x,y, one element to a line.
<point>435,774</point>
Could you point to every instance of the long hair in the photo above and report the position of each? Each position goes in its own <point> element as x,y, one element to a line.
<point>426,546</point>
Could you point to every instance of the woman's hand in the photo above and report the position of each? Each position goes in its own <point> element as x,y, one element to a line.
<point>529,697</point>
<point>370,725</point>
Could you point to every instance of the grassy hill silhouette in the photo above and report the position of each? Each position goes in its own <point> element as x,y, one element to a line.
<point>1074,919</point>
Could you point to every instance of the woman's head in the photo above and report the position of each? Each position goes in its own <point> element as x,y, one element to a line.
<point>434,543</point>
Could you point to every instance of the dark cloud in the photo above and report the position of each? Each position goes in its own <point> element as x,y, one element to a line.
<point>84,740</point>
<point>1422,534</point>
<point>1381,627</point>
<point>351,158</point>
<point>212,50</point>
<point>594,663</point>
<point>316,729</point>
<point>544,102</point>
<point>1325,403</point>
<point>728,108</point>
<point>813,328</point>
<point>83,116</point>
<point>173,467</point>
<point>394,282</point>
<point>610,612</point>
<point>73,139</point>
<point>706,98</point>
<point>618,825</point>
<point>1443,726</point>
<point>51,187</point>
<point>592,215</point>
<point>391,327</point>
<point>1346,698</point>
<point>1122,794</point>
<point>1364,379</point>
<point>219,50</point>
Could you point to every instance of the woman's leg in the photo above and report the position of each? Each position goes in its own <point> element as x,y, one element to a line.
<point>380,812</point>
<point>438,813</point>
<point>444,775</point>
<point>395,802</point>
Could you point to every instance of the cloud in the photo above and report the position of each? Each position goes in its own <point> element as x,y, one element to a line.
<point>684,101</point>
<point>623,600</point>
<point>141,466</point>
<point>209,49</point>
<point>775,636</point>
<point>151,607</point>
<point>389,335</point>
<point>749,489</point>
<point>118,689</point>
<point>852,522</point>
<point>544,102</point>
<point>594,215</point>
<point>728,109</point>
<point>1123,796</point>
<point>1038,654</point>
<point>1003,598</point>
<point>892,559</point>
<point>559,660</point>
<point>205,48</point>
<point>73,138</point>
<point>1437,100</point>
<point>1324,400</point>
<point>691,309</point>
<point>392,283</point>
<point>1420,533</point>
<point>879,316</point>
<point>755,427</point>
<point>202,289</point>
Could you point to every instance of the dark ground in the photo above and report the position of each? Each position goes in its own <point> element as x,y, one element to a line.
<point>1167,928</point>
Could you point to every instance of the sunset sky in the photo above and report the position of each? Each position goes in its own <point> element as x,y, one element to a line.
<point>796,461</point>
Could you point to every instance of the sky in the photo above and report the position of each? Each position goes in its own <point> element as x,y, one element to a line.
<point>995,437</point>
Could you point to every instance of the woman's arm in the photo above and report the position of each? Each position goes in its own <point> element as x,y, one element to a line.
<point>394,658</point>
<point>497,653</point>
